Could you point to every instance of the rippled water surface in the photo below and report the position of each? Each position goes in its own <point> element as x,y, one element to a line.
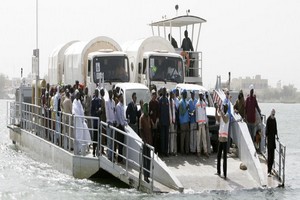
<point>21,177</point>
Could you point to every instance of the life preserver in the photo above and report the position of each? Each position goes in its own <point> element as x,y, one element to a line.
<point>186,56</point>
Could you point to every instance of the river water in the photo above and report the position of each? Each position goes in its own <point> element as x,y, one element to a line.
<point>22,177</point>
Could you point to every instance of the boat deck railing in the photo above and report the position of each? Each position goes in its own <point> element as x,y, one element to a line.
<point>279,156</point>
<point>61,129</point>
<point>194,70</point>
<point>279,162</point>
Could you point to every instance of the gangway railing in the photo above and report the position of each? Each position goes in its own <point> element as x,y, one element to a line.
<point>133,155</point>
<point>40,121</point>
<point>279,162</point>
<point>279,157</point>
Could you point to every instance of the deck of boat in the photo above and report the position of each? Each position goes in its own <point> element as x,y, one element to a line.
<point>198,174</point>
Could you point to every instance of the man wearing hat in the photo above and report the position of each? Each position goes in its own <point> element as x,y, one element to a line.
<point>201,119</point>
<point>193,124</point>
<point>184,123</point>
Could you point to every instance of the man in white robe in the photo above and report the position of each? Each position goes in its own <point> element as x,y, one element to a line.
<point>82,135</point>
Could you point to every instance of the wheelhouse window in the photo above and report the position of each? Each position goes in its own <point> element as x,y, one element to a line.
<point>115,68</point>
<point>163,68</point>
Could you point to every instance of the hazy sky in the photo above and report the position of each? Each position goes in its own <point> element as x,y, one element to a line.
<point>243,37</point>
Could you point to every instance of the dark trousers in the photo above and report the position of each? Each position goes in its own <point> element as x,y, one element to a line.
<point>270,159</point>
<point>155,135</point>
<point>164,138</point>
<point>222,147</point>
<point>146,160</point>
<point>120,138</point>
<point>184,138</point>
<point>95,137</point>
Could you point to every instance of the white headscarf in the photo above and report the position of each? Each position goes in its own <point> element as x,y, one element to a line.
<point>273,113</point>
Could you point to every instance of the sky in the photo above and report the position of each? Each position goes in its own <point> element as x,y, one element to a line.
<point>245,38</point>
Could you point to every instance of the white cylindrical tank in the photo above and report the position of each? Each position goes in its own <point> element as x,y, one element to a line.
<point>70,60</point>
<point>55,63</point>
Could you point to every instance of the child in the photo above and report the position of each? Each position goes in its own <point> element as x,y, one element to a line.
<point>257,139</point>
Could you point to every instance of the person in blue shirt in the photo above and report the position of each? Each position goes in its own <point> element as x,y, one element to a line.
<point>193,124</point>
<point>184,123</point>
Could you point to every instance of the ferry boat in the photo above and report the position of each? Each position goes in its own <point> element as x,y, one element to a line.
<point>31,128</point>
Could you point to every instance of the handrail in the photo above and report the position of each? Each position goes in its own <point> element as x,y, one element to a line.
<point>279,157</point>
<point>196,69</point>
<point>136,157</point>
<point>41,123</point>
<point>279,165</point>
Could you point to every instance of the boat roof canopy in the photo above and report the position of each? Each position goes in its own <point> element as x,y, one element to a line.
<point>183,22</point>
<point>179,21</point>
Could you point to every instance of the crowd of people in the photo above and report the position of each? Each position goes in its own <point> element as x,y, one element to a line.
<point>249,111</point>
<point>168,122</point>
<point>177,125</point>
